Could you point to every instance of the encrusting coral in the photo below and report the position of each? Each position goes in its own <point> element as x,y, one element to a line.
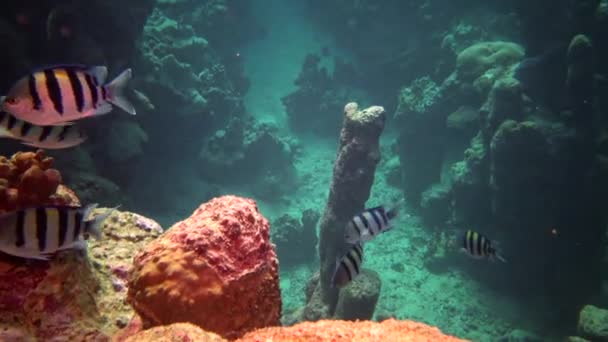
<point>28,179</point>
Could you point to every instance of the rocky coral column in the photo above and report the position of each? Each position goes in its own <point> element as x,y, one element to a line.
<point>357,157</point>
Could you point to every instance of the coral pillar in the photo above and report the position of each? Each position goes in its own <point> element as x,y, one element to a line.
<point>357,157</point>
<point>358,301</point>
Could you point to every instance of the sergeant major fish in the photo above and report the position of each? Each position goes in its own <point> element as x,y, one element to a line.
<point>61,94</point>
<point>479,246</point>
<point>47,137</point>
<point>348,267</point>
<point>368,224</point>
<point>36,233</point>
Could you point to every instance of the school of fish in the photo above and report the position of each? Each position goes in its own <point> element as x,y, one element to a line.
<point>368,224</point>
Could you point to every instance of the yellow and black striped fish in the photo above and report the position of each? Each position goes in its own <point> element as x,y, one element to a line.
<point>37,233</point>
<point>479,246</point>
<point>348,267</point>
<point>61,94</point>
<point>47,137</point>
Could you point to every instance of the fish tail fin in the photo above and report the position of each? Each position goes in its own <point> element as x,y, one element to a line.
<point>93,226</point>
<point>116,90</point>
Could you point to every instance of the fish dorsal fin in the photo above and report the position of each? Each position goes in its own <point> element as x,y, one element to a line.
<point>100,73</point>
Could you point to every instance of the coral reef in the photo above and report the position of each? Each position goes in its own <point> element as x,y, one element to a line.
<point>290,235</point>
<point>354,170</point>
<point>74,296</point>
<point>593,323</point>
<point>357,301</point>
<point>28,179</point>
<point>216,269</point>
<point>314,105</point>
<point>345,331</point>
<point>177,332</point>
<point>253,155</point>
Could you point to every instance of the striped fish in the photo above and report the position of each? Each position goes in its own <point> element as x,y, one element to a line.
<point>47,137</point>
<point>479,246</point>
<point>61,94</point>
<point>348,267</point>
<point>368,224</point>
<point>37,233</point>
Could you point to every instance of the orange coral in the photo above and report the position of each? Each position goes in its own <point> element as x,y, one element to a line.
<point>347,331</point>
<point>28,179</point>
<point>177,332</point>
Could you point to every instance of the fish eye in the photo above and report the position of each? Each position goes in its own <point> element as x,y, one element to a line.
<point>10,100</point>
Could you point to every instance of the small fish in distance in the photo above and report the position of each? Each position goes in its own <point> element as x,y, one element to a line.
<point>479,246</point>
<point>62,94</point>
<point>46,137</point>
<point>348,267</point>
<point>38,232</point>
<point>369,223</point>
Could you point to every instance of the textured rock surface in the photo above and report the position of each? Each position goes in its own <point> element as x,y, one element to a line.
<point>74,297</point>
<point>177,332</point>
<point>354,171</point>
<point>593,323</point>
<point>217,269</point>
<point>344,331</point>
<point>28,179</point>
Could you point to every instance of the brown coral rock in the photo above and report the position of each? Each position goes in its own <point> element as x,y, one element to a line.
<point>216,269</point>
<point>177,332</point>
<point>346,331</point>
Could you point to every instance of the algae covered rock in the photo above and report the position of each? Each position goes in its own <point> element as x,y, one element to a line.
<point>74,296</point>
<point>593,323</point>
<point>476,60</point>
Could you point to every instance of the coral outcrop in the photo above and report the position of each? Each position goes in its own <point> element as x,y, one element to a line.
<point>252,155</point>
<point>177,332</point>
<point>28,179</point>
<point>354,171</point>
<point>290,235</point>
<point>74,296</point>
<point>217,269</point>
<point>593,323</point>
<point>345,331</point>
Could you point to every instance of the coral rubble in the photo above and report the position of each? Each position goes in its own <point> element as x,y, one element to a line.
<point>216,269</point>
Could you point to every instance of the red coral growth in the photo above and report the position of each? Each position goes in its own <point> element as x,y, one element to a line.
<point>216,269</point>
<point>28,179</point>
<point>347,331</point>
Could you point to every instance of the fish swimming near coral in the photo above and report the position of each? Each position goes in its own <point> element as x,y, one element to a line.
<point>369,223</point>
<point>61,94</point>
<point>348,267</point>
<point>479,246</point>
<point>46,137</point>
<point>37,233</point>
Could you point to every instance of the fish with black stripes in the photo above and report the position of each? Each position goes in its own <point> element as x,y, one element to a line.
<point>348,267</point>
<point>62,94</point>
<point>479,246</point>
<point>47,137</point>
<point>38,232</point>
<point>367,224</point>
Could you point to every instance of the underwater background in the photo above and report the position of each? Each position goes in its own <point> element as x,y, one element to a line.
<point>495,120</point>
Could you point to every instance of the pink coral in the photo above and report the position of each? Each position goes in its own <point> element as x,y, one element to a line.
<point>216,269</point>
<point>347,331</point>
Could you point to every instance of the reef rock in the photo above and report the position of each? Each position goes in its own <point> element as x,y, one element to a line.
<point>346,331</point>
<point>593,323</point>
<point>177,332</point>
<point>73,296</point>
<point>28,179</point>
<point>217,269</point>
<point>289,234</point>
